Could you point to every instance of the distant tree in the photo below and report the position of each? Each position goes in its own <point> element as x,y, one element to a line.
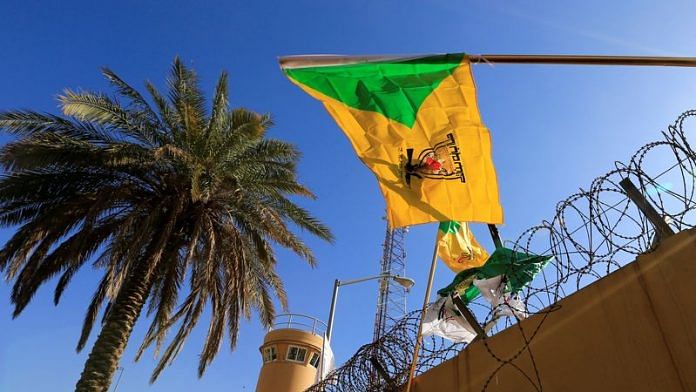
<point>167,198</point>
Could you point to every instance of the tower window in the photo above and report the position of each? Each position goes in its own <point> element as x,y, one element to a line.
<point>314,361</point>
<point>269,354</point>
<point>296,354</point>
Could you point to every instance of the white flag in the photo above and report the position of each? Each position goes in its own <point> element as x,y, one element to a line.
<point>440,319</point>
<point>502,303</point>
<point>328,362</point>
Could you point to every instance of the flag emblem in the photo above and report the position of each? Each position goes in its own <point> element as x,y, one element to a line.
<point>440,162</point>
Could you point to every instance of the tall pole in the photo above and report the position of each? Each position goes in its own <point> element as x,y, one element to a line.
<point>583,60</point>
<point>426,301</point>
<point>332,310</point>
<point>323,60</point>
<point>338,283</point>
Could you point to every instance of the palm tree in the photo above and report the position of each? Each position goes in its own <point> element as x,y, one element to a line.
<point>160,195</point>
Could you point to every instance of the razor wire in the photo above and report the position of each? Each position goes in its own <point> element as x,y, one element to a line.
<point>593,233</point>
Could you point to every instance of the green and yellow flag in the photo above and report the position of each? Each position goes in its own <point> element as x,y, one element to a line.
<point>518,269</point>
<point>415,123</point>
<point>458,248</point>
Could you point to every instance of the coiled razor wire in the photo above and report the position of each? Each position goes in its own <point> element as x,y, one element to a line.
<point>593,233</point>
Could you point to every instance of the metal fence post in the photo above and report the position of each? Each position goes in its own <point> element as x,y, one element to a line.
<point>661,227</point>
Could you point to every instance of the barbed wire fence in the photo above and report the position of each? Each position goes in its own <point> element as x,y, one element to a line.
<point>593,233</point>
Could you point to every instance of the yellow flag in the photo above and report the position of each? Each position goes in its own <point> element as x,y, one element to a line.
<point>415,123</point>
<point>457,247</point>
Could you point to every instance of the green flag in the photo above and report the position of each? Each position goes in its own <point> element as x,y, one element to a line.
<point>518,270</point>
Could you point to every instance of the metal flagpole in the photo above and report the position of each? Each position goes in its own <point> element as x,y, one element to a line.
<point>583,60</point>
<point>324,60</point>
<point>426,301</point>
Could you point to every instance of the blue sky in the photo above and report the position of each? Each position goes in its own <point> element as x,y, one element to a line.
<point>554,129</point>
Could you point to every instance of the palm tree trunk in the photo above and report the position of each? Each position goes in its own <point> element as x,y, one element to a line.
<point>107,350</point>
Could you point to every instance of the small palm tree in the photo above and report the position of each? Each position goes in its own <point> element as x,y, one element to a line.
<point>166,199</point>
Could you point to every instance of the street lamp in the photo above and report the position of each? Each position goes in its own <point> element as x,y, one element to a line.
<point>403,281</point>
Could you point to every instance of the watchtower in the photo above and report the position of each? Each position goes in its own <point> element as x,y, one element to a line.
<point>291,353</point>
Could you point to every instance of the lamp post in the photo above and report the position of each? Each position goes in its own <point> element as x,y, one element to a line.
<point>405,282</point>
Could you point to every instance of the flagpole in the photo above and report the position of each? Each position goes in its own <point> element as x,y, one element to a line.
<point>426,301</point>
<point>558,59</point>
<point>583,60</point>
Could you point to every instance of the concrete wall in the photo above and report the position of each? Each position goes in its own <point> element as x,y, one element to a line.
<point>634,330</point>
<point>286,376</point>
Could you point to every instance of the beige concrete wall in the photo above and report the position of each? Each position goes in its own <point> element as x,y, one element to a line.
<point>634,330</point>
<point>286,376</point>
